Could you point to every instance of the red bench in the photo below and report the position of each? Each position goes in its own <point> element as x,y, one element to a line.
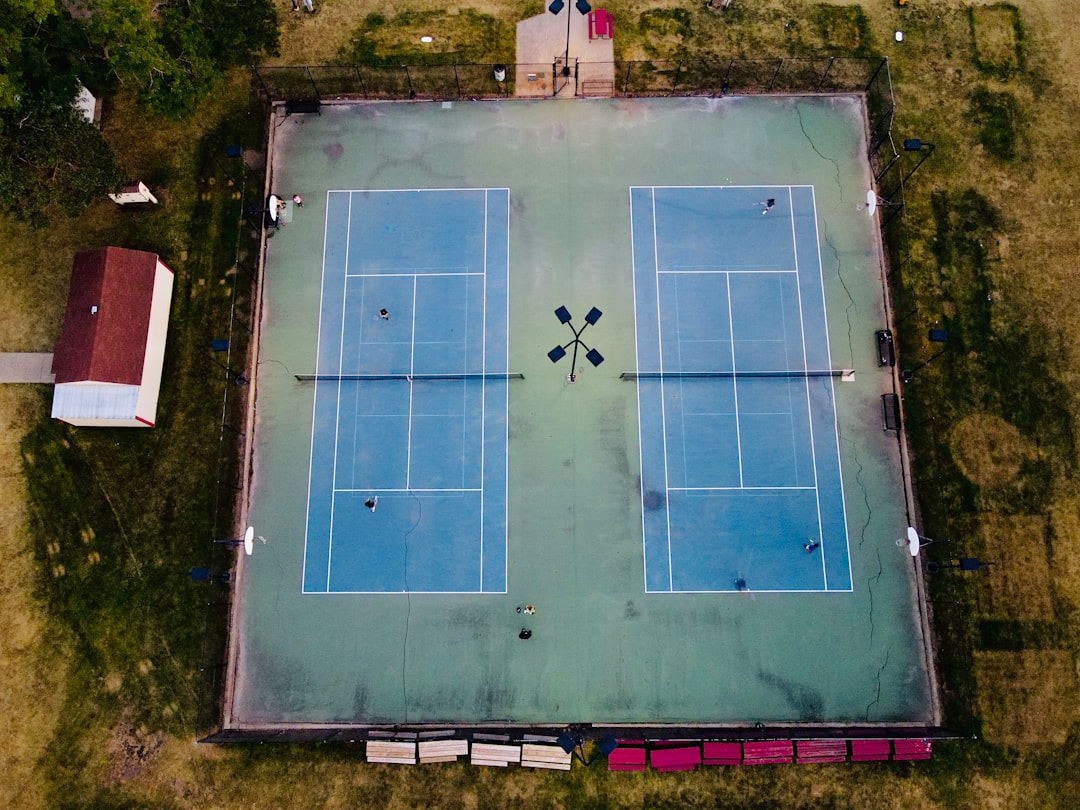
<point>767,752</point>
<point>630,758</point>
<point>723,753</point>
<point>601,24</point>
<point>912,749</point>
<point>821,751</point>
<point>869,750</point>
<point>675,759</point>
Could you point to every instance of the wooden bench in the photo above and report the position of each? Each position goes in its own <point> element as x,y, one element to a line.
<point>675,759</point>
<point>534,755</point>
<point>394,753</point>
<point>821,751</point>
<point>767,752</point>
<point>722,753</point>
<point>869,750</point>
<point>630,757</point>
<point>495,755</point>
<point>912,749</point>
<point>442,750</point>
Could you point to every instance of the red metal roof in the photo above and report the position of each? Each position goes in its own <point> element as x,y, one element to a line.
<point>107,318</point>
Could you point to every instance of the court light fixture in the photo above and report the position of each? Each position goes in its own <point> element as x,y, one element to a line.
<point>559,352</point>
<point>557,6</point>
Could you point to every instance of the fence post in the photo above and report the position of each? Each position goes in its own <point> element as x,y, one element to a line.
<point>262,84</point>
<point>311,79</point>
<point>408,79</point>
<point>825,75</point>
<point>457,82</point>
<point>360,79</point>
<point>675,78</point>
<point>772,81</point>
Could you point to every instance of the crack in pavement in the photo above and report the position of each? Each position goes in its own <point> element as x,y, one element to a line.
<point>877,697</point>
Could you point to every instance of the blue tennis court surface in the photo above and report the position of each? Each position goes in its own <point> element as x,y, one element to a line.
<point>739,473</point>
<point>414,283</point>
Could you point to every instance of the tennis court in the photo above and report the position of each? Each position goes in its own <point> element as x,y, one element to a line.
<point>410,394</point>
<point>655,511</point>
<point>739,451</point>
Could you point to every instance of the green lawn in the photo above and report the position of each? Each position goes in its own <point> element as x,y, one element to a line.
<point>106,663</point>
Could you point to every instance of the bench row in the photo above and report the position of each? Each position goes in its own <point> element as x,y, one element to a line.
<point>631,755</point>
<point>529,755</point>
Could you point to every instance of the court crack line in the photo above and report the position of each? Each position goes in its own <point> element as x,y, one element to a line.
<point>877,696</point>
<point>843,283</point>
<point>819,153</point>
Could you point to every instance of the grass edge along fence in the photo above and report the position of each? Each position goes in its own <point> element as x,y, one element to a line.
<point>307,87</point>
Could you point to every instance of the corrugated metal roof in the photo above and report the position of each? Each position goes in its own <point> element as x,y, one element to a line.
<point>108,313</point>
<point>94,401</point>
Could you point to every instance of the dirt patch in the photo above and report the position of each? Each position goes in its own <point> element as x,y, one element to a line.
<point>131,751</point>
<point>988,450</point>
<point>1027,697</point>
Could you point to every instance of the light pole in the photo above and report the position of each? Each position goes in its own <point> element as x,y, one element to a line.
<point>556,6</point>
<point>936,336</point>
<point>559,352</point>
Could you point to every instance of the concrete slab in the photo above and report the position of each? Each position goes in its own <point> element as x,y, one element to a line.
<point>26,367</point>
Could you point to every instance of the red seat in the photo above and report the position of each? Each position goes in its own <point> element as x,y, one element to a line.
<point>675,759</point>
<point>869,750</point>
<point>912,749</point>
<point>821,751</point>
<point>722,753</point>
<point>627,759</point>
<point>767,752</point>
<point>601,24</point>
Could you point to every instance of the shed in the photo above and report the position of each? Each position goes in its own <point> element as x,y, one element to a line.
<point>109,357</point>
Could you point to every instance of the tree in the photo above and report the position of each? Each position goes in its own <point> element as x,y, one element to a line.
<point>52,157</point>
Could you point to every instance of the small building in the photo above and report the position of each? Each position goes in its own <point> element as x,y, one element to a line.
<point>109,357</point>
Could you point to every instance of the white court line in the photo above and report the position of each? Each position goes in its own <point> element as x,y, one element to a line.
<point>727,185</point>
<point>408,272</point>
<point>742,489</point>
<point>707,271</point>
<point>337,404</point>
<point>637,364</point>
<point>806,386</point>
<point>418,190</point>
<point>754,591</point>
<point>412,369</point>
<point>506,422</point>
<point>832,395</point>
<point>409,593</point>
<point>663,407</point>
<point>734,380</point>
<point>483,386</point>
<point>409,490</point>
<point>315,395</point>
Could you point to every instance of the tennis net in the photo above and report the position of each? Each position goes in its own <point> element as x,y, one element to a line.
<point>703,375</point>
<point>409,377</point>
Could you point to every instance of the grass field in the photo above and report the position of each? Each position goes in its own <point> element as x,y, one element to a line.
<point>99,661</point>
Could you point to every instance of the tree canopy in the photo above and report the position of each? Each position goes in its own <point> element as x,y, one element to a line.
<point>171,55</point>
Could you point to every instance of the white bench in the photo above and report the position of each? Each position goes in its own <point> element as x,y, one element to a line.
<point>544,756</point>
<point>442,750</point>
<point>498,756</point>
<point>395,753</point>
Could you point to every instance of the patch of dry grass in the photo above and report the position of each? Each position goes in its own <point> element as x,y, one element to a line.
<point>1027,698</point>
<point>33,653</point>
<point>1020,585</point>
<point>995,30</point>
<point>988,450</point>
